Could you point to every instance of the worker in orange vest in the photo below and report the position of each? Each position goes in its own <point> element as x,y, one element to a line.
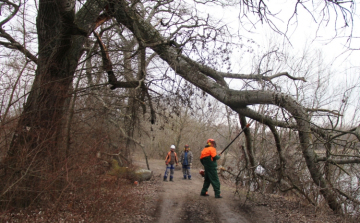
<point>170,160</point>
<point>208,159</point>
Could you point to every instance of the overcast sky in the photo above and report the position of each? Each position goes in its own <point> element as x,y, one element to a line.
<point>304,29</point>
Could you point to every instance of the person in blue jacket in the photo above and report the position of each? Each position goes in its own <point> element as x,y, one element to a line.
<point>186,158</point>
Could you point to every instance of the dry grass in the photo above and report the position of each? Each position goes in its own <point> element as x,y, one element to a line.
<point>104,199</point>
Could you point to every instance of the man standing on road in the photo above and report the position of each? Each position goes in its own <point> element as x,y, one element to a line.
<point>208,159</point>
<point>186,162</point>
<point>170,160</point>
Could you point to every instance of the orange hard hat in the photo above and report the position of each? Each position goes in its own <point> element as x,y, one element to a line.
<point>210,140</point>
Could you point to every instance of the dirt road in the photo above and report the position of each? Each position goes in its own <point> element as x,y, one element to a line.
<point>180,201</point>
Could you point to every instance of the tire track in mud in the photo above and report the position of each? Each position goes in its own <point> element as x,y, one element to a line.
<point>227,212</point>
<point>199,210</point>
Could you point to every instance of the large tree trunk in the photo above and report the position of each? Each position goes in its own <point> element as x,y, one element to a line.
<point>212,83</point>
<point>33,153</point>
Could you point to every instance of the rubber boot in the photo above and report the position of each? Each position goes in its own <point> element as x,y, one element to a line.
<point>165,179</point>
<point>184,177</point>
<point>171,179</point>
<point>189,177</point>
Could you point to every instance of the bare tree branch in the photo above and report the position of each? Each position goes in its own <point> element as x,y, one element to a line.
<point>108,68</point>
<point>289,186</point>
<point>334,112</point>
<point>338,161</point>
<point>219,76</point>
<point>348,196</point>
<point>260,76</point>
<point>13,44</point>
<point>16,9</point>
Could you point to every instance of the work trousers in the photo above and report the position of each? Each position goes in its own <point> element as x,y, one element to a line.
<point>211,177</point>
<point>169,167</point>
<point>186,171</point>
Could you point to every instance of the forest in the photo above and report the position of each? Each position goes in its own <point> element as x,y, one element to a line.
<point>122,78</point>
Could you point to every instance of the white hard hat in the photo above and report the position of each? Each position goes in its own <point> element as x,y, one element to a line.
<point>172,147</point>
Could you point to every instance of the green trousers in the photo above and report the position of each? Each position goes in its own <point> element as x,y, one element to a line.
<point>211,177</point>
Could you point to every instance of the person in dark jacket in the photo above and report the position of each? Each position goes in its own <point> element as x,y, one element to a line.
<point>186,158</point>
<point>170,160</point>
<point>208,159</point>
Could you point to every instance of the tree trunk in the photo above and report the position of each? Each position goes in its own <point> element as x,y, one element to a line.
<point>248,141</point>
<point>33,151</point>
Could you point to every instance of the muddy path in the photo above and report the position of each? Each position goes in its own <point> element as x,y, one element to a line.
<point>180,201</point>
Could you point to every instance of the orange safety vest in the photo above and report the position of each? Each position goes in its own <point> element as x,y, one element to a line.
<point>208,151</point>
<point>168,158</point>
